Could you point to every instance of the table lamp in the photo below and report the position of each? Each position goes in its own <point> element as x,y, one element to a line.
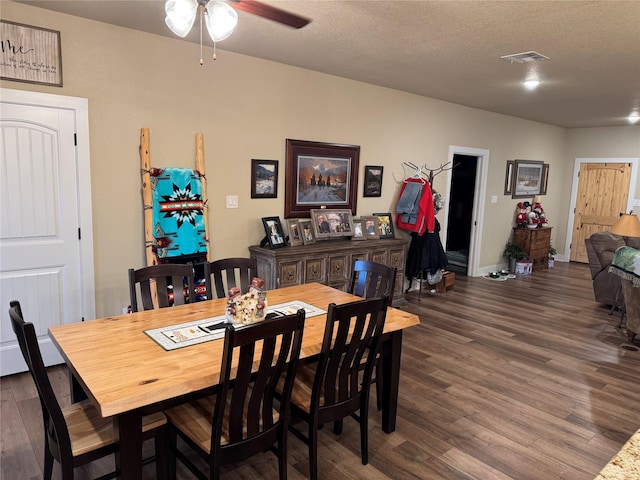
<point>627,225</point>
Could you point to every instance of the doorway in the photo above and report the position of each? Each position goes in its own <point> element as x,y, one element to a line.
<point>46,238</point>
<point>464,207</point>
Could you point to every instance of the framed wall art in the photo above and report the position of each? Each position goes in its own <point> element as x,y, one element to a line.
<point>274,232</point>
<point>385,225</point>
<point>264,178</point>
<point>527,178</point>
<point>30,54</point>
<point>320,175</point>
<point>308,235</point>
<point>295,235</point>
<point>508,178</point>
<point>331,223</point>
<point>372,181</point>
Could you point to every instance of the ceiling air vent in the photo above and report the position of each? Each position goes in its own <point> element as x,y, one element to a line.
<point>525,57</point>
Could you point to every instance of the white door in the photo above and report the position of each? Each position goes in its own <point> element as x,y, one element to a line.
<point>42,242</point>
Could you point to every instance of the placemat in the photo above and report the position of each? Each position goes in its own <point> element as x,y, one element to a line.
<point>207,329</point>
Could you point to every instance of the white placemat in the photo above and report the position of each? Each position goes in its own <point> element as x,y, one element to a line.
<point>207,329</point>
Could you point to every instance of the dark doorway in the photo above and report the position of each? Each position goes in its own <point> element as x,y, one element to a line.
<point>463,184</point>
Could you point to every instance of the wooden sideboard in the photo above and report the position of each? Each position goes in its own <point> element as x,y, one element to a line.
<point>328,262</point>
<point>536,243</point>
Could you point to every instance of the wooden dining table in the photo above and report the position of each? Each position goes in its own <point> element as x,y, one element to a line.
<point>127,374</point>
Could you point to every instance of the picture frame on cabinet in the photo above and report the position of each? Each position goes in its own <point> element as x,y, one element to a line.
<point>385,225</point>
<point>370,227</point>
<point>295,234</point>
<point>331,223</point>
<point>273,230</point>
<point>306,229</point>
<point>358,230</point>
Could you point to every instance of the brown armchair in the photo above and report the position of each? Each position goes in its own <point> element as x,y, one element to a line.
<point>601,247</point>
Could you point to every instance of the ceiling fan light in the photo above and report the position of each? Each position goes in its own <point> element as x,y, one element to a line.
<point>220,20</point>
<point>633,118</point>
<point>180,15</point>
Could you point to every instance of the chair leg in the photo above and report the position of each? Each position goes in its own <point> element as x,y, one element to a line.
<point>172,438</point>
<point>282,455</point>
<point>48,461</point>
<point>313,452</point>
<point>161,441</point>
<point>337,426</point>
<point>364,434</point>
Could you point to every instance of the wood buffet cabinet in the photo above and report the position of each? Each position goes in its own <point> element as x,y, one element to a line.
<point>328,262</point>
<point>536,242</point>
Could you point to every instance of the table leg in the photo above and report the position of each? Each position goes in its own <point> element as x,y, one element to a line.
<point>77,392</point>
<point>391,351</point>
<point>128,432</point>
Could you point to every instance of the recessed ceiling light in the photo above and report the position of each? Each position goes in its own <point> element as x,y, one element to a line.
<point>531,84</point>
<point>634,117</point>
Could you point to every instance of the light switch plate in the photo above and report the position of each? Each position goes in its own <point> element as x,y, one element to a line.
<point>494,198</point>
<point>232,201</point>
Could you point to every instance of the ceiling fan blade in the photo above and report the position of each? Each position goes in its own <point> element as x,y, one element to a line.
<point>272,13</point>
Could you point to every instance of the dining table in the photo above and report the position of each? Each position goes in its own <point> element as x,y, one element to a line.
<point>127,374</point>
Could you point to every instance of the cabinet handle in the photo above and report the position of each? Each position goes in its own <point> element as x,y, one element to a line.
<point>338,269</point>
<point>314,271</point>
<point>290,276</point>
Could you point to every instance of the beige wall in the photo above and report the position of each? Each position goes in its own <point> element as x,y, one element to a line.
<point>246,108</point>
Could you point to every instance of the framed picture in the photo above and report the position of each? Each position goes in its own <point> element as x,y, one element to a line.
<point>32,54</point>
<point>264,178</point>
<point>308,235</point>
<point>508,178</point>
<point>385,225</point>
<point>358,230</point>
<point>273,230</point>
<point>295,235</point>
<point>545,179</point>
<point>372,181</point>
<point>370,227</point>
<point>320,175</point>
<point>331,223</point>
<point>527,178</point>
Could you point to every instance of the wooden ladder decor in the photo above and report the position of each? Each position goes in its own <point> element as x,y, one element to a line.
<point>147,194</point>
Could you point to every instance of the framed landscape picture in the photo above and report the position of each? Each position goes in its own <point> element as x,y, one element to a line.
<point>372,181</point>
<point>527,178</point>
<point>264,178</point>
<point>320,175</point>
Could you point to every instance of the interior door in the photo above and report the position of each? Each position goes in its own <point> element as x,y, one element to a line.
<point>602,195</point>
<point>40,249</point>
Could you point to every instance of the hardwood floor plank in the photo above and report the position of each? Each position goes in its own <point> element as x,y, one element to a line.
<point>489,390</point>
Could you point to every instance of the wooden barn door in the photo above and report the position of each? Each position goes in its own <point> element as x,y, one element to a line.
<point>602,195</point>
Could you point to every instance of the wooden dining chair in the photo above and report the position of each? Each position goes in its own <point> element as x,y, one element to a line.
<point>373,279</point>
<point>76,435</point>
<point>227,273</point>
<point>242,420</point>
<point>335,387</point>
<point>163,276</point>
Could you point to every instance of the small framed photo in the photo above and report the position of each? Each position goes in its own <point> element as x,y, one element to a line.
<point>295,235</point>
<point>275,234</point>
<point>358,230</point>
<point>264,178</point>
<point>332,223</point>
<point>307,233</point>
<point>372,181</point>
<point>370,227</point>
<point>385,225</point>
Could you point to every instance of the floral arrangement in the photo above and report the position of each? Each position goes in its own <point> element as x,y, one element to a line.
<point>530,215</point>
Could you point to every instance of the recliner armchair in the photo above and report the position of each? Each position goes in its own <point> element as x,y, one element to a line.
<point>601,247</point>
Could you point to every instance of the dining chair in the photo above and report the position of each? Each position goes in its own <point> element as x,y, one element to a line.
<point>335,387</point>
<point>166,277</point>
<point>76,435</point>
<point>228,273</point>
<point>373,279</point>
<point>242,420</point>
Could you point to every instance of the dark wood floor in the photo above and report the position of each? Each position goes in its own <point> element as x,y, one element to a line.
<point>522,379</point>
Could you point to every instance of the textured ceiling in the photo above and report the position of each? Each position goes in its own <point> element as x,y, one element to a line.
<point>448,50</point>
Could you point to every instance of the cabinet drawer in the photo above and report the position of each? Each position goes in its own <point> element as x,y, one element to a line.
<point>314,270</point>
<point>380,256</point>
<point>339,267</point>
<point>289,273</point>
<point>396,259</point>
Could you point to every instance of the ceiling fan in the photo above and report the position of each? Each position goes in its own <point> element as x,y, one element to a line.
<point>220,17</point>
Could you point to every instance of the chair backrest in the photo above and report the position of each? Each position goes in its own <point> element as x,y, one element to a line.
<point>228,273</point>
<point>372,279</point>
<point>267,354</point>
<point>352,334</point>
<point>163,276</point>
<point>52,416</point>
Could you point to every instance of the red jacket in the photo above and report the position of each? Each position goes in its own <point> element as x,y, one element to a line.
<point>426,213</point>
